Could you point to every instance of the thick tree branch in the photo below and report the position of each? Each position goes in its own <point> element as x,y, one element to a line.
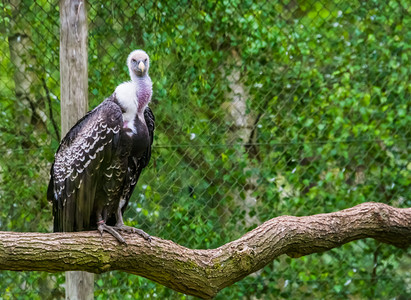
<point>203,273</point>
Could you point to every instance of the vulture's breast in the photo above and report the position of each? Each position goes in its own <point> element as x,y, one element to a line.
<point>140,139</point>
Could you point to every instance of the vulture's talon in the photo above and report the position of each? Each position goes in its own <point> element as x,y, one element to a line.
<point>130,229</point>
<point>112,230</point>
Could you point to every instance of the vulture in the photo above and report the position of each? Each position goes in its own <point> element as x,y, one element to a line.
<point>99,161</point>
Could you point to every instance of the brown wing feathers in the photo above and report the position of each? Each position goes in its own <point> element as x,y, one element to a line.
<point>84,152</point>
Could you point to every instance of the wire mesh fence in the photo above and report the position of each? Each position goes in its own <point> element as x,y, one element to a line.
<point>263,108</point>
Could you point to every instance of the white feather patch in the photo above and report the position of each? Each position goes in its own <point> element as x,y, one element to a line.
<point>126,94</point>
<point>122,202</point>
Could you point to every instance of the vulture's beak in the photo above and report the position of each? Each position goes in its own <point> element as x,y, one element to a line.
<point>141,66</point>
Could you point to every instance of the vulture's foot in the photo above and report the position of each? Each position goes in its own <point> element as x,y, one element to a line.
<point>130,229</point>
<point>112,230</point>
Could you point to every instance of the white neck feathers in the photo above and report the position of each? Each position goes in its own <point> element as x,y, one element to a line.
<point>126,94</point>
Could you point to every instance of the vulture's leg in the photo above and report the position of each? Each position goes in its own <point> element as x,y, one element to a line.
<point>121,227</point>
<point>101,226</point>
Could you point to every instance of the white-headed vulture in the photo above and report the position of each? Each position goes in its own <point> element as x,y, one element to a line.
<point>99,161</point>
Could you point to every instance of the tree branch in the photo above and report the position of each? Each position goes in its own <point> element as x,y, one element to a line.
<point>203,273</point>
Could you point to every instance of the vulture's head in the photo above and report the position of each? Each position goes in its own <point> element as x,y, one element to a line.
<point>138,63</point>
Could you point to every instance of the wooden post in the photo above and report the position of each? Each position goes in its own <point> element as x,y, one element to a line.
<point>73,62</point>
<point>74,103</point>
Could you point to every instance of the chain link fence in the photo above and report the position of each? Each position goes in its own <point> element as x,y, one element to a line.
<point>263,108</point>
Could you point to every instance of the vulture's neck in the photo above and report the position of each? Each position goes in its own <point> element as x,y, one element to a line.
<point>144,89</point>
<point>133,96</point>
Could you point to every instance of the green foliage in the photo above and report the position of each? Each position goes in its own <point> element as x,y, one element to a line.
<point>329,86</point>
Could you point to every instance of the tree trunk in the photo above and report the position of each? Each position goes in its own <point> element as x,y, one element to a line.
<point>242,128</point>
<point>74,103</point>
<point>29,107</point>
<point>203,273</point>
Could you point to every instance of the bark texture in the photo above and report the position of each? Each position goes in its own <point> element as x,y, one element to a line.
<point>73,62</point>
<point>203,273</point>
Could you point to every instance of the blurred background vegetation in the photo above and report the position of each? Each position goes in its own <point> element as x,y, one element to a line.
<point>263,108</point>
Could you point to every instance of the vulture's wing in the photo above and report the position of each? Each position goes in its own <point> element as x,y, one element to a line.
<point>150,121</point>
<point>87,149</point>
<point>136,165</point>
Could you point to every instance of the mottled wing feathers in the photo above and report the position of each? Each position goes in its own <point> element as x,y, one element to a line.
<point>84,155</point>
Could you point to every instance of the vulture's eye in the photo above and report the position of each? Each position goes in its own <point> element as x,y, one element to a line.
<point>133,60</point>
<point>145,60</point>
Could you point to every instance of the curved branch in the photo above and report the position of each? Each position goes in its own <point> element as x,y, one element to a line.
<point>203,273</point>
